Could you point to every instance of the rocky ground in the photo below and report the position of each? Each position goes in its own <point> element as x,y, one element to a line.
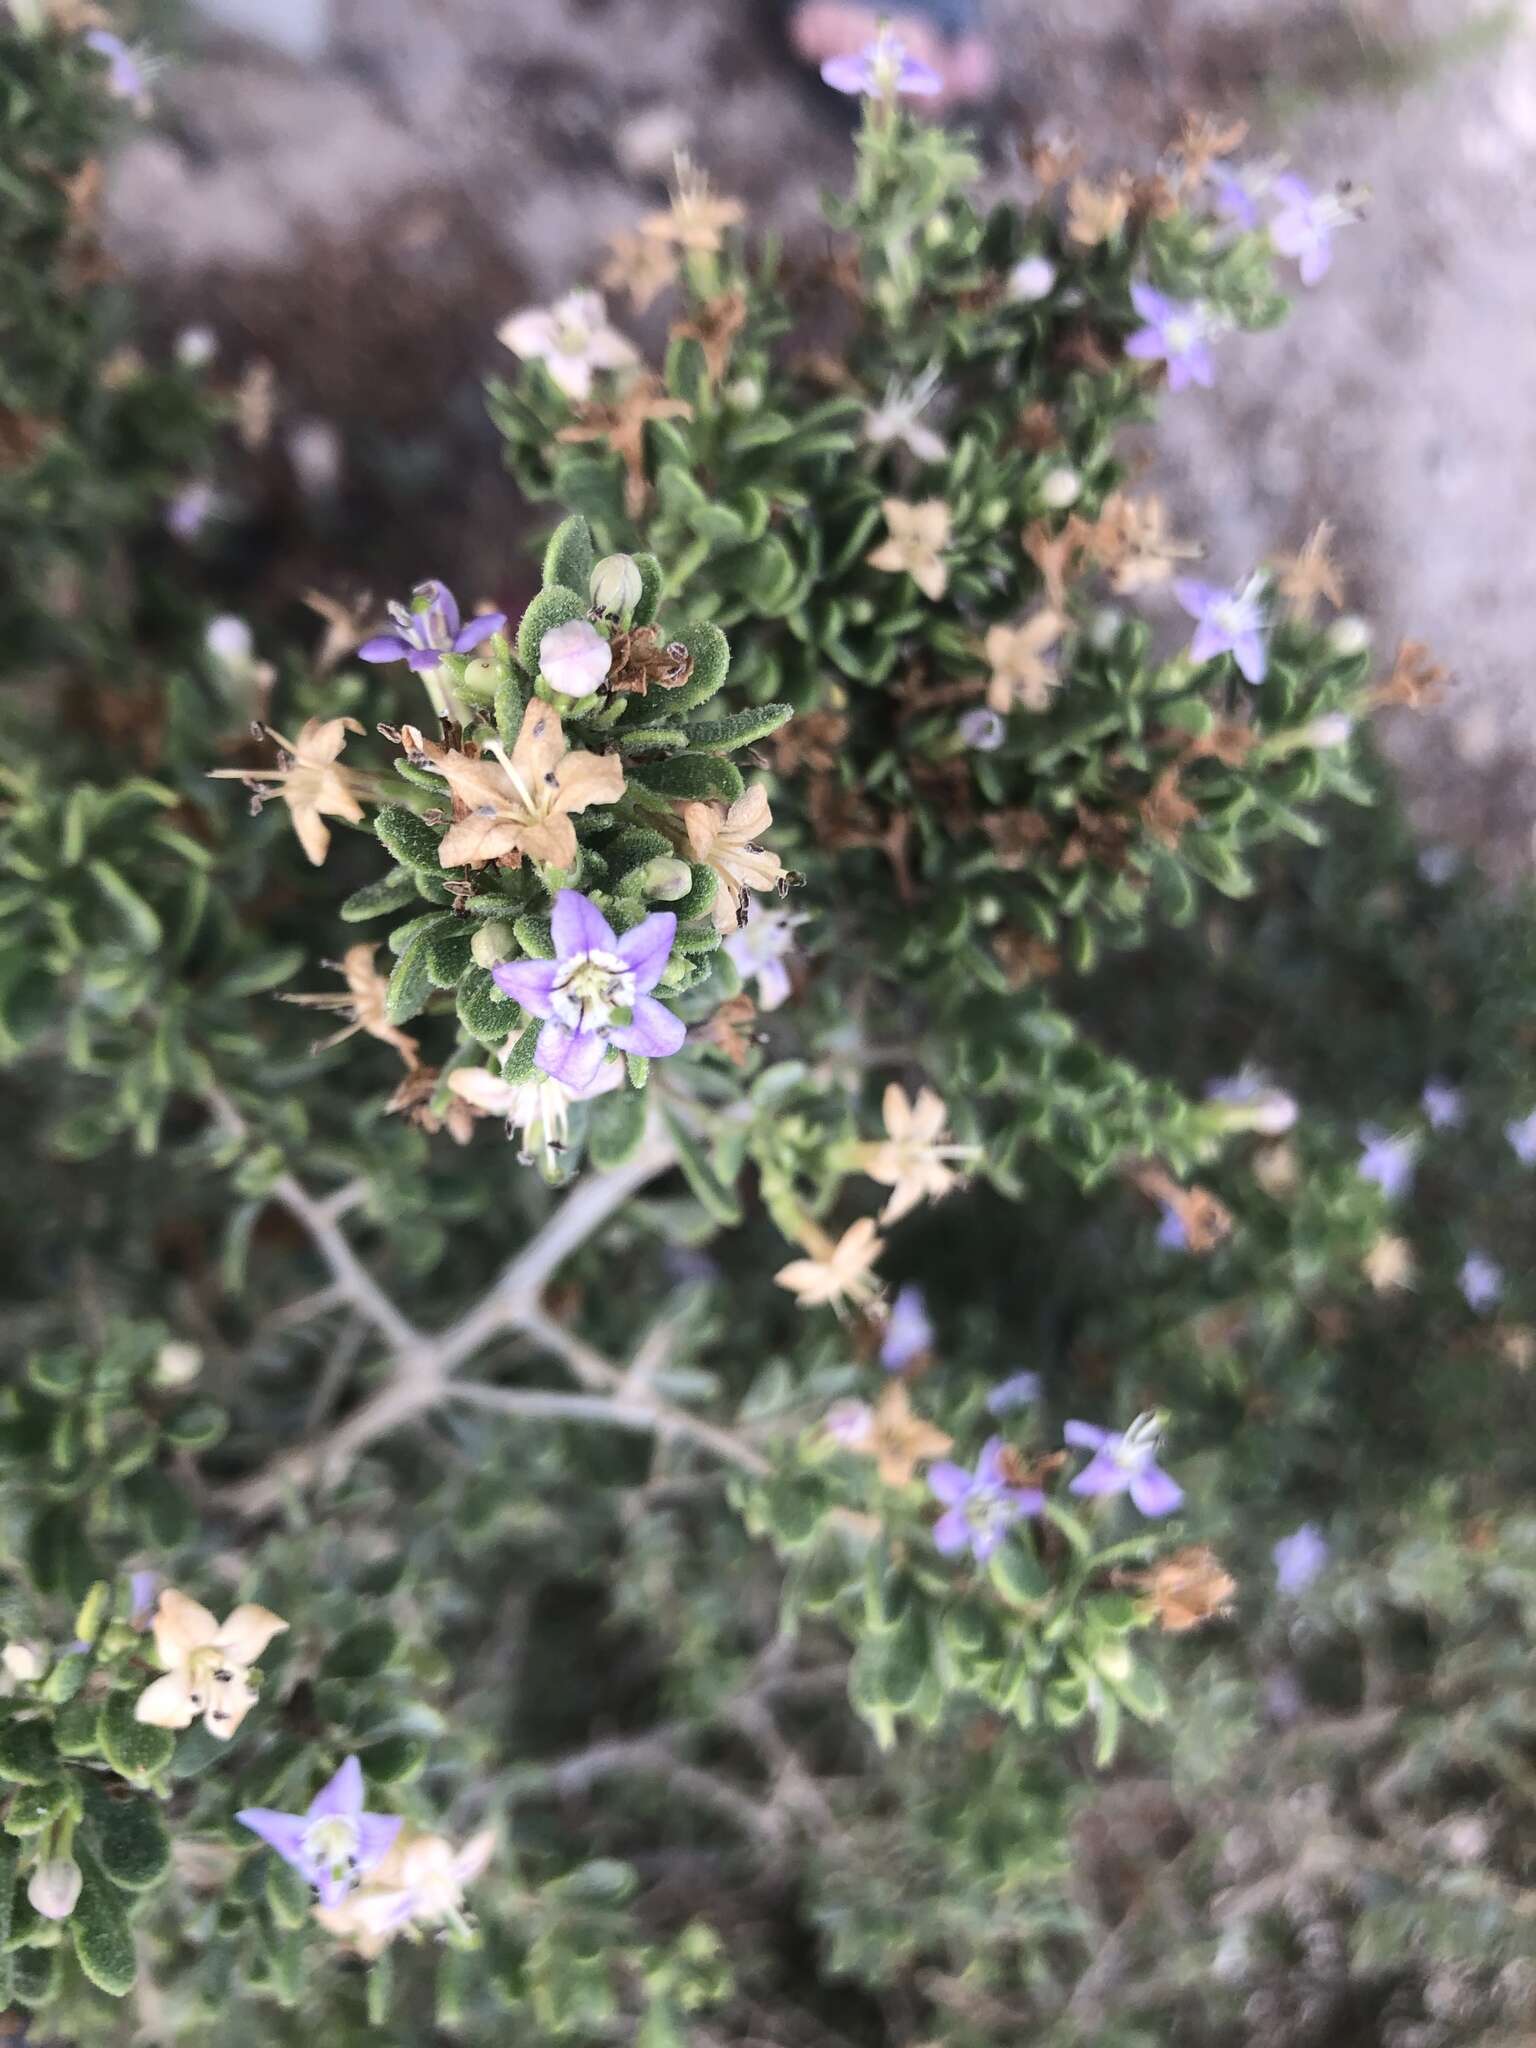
<point>361,205</point>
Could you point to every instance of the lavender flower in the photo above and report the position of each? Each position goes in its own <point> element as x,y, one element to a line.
<point>1388,1161</point>
<point>760,950</point>
<point>980,1506</point>
<point>595,993</point>
<point>1175,334</point>
<point>1443,1105</point>
<point>190,510</point>
<point>1019,1390</point>
<point>1522,1137</point>
<point>1305,225</point>
<point>1481,1281</point>
<point>334,1842</point>
<point>1125,1461</point>
<point>883,69</point>
<point>1238,189</point>
<point>1299,1558</point>
<point>1229,622</point>
<point>429,629</point>
<point>127,72</point>
<point>143,1594</point>
<point>982,730</point>
<point>1172,1236</point>
<point>908,1332</point>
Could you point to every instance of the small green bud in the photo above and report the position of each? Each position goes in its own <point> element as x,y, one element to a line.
<point>745,394</point>
<point>93,1609</point>
<point>616,586</point>
<point>937,232</point>
<point>666,878</point>
<point>482,677</point>
<point>493,943</point>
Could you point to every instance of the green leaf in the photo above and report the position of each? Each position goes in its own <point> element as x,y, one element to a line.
<point>376,899</point>
<point>31,1808</point>
<point>742,729</point>
<point>131,1746</point>
<point>721,1202</point>
<point>409,838</point>
<point>394,1761</point>
<point>711,653</point>
<point>1018,1574</point>
<point>617,1127</point>
<point>139,921</point>
<point>691,778</point>
<point>410,985</point>
<point>27,1754</point>
<point>569,557</point>
<point>132,1841</point>
<point>484,1011</point>
<point>99,1929</point>
<point>363,1651</point>
<point>652,582</point>
<point>555,606</point>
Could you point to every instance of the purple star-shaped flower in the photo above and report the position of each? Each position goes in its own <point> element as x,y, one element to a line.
<point>429,628</point>
<point>1171,1233</point>
<point>908,1332</point>
<point>595,993</point>
<point>979,1507</point>
<point>1388,1160</point>
<point>1229,622</point>
<point>1443,1105</point>
<point>883,69</point>
<point>127,78</point>
<point>1481,1282</point>
<point>1237,189</point>
<point>335,1842</point>
<point>1305,224</point>
<point>1521,1134</point>
<point>1175,334</point>
<point>1124,1461</point>
<point>1299,1558</point>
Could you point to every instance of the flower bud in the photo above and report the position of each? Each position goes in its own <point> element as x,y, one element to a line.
<point>195,347</point>
<point>665,879</point>
<point>574,658</point>
<point>54,1887</point>
<point>177,1364</point>
<point>1061,488</point>
<point>937,232</point>
<point>493,943</point>
<point>745,394</point>
<point>1348,636</point>
<point>983,729</point>
<point>228,639</point>
<point>23,1662</point>
<point>616,586</point>
<point>1032,280</point>
<point>481,676</point>
<point>1332,730</point>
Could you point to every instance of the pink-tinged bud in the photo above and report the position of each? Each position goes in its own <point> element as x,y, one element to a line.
<point>574,658</point>
<point>666,879</point>
<point>54,1888</point>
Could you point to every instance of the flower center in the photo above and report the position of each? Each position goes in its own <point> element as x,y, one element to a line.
<point>1231,615</point>
<point>1181,333</point>
<point>572,339</point>
<point>589,988</point>
<point>330,1844</point>
<point>988,1509</point>
<point>1138,1446</point>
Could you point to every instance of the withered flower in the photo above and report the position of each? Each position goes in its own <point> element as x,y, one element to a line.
<point>415,1100</point>
<point>1202,141</point>
<point>1416,680</point>
<point>729,1029</point>
<point>621,427</point>
<point>1015,836</point>
<point>814,741</point>
<point>640,266</point>
<point>715,326</point>
<point>1165,810</point>
<point>1054,555</point>
<point>309,779</point>
<point>918,536</point>
<point>897,1437</point>
<point>1131,541</point>
<point>1186,1589</point>
<point>1309,574</point>
<point>915,1160</point>
<point>835,1273</point>
<point>1097,213</point>
<point>698,216</point>
<point>365,1003</point>
<point>725,841</point>
<point>520,803</point>
<point>1021,675</point>
<point>1204,1220</point>
<point>639,658</point>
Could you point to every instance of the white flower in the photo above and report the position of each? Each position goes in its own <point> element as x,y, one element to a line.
<point>538,1110</point>
<point>760,950</point>
<point>23,1662</point>
<point>1032,280</point>
<point>207,1664</point>
<point>420,1883</point>
<point>571,338</point>
<point>574,658</point>
<point>896,420</point>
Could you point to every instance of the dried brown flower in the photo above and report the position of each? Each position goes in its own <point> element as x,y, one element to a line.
<point>1165,810</point>
<point>715,326</point>
<point>1097,213</point>
<point>309,780</point>
<point>1016,656</point>
<point>1310,574</point>
<point>621,427</point>
<point>729,1029</point>
<point>1187,1588</point>
<point>834,1273</point>
<point>511,805</point>
<point>1206,1221</point>
<point>1416,680</point>
<point>698,216</point>
<point>725,841</point>
<point>365,1003</point>
<point>641,266</point>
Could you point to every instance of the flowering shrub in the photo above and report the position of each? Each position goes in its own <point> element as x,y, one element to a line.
<point>960,1476</point>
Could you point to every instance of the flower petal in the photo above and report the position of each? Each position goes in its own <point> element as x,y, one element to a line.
<point>167,1703</point>
<point>385,647</point>
<point>646,949</point>
<point>951,1532</point>
<point>283,1832</point>
<point>579,926</point>
<point>1155,1493</point>
<point>573,1057</point>
<point>1087,1436</point>
<point>655,1033</point>
<point>479,629</point>
<point>248,1631</point>
<point>376,1836</point>
<point>181,1626</point>
<point>529,982</point>
<point>1196,597</point>
<point>343,1794</point>
<point>949,1482</point>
